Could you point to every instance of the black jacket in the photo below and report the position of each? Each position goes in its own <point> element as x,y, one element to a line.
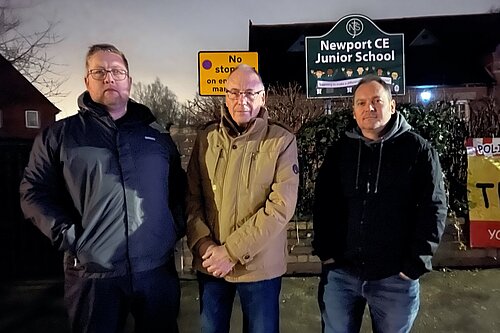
<point>109,193</point>
<point>380,206</point>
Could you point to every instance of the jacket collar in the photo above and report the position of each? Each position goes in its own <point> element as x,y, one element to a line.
<point>235,130</point>
<point>396,126</point>
<point>136,112</point>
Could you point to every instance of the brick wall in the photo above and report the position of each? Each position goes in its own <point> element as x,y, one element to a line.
<point>300,258</point>
<point>450,253</point>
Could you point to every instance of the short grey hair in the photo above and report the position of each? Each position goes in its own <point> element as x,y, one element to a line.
<point>107,48</point>
<point>373,78</point>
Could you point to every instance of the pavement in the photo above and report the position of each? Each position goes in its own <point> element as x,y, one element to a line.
<point>451,301</point>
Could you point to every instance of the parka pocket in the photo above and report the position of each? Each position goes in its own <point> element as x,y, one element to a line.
<point>218,172</point>
<point>251,167</point>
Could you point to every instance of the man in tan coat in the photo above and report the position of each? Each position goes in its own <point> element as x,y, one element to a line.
<point>243,180</point>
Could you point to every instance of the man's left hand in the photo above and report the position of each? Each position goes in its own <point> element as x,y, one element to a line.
<point>217,261</point>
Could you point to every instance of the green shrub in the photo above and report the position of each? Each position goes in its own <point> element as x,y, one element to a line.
<point>439,123</point>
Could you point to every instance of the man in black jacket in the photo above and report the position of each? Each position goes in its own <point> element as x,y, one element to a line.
<point>106,186</point>
<point>379,213</point>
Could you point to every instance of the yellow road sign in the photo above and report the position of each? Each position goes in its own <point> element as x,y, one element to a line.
<point>215,66</point>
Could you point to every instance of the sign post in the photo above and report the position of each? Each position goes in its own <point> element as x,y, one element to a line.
<point>353,48</point>
<point>215,66</point>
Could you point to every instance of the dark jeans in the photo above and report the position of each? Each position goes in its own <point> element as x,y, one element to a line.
<point>103,304</point>
<point>259,304</point>
<point>393,302</point>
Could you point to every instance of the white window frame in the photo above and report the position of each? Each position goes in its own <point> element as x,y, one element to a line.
<point>463,107</point>
<point>37,119</point>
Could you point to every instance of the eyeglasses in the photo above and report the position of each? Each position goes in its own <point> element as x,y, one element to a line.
<point>235,94</point>
<point>100,73</point>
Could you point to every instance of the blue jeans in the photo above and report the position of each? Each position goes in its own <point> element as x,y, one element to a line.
<point>393,302</point>
<point>259,304</point>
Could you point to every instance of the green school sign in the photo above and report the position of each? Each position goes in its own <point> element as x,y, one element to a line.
<point>353,48</point>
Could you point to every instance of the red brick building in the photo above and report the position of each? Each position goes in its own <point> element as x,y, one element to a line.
<point>24,110</point>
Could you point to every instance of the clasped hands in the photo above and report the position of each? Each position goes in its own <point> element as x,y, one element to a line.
<point>216,259</point>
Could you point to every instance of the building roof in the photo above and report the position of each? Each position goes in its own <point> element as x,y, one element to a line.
<point>15,87</point>
<point>439,50</point>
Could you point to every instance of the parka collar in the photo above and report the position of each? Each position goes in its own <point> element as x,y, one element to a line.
<point>235,130</point>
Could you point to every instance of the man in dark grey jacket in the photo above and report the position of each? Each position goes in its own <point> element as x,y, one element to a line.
<point>379,213</point>
<point>106,186</point>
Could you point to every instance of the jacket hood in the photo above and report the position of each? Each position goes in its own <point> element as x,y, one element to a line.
<point>396,126</point>
<point>136,112</point>
<point>234,129</point>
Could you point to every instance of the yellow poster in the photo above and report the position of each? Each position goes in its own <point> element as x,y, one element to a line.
<point>483,181</point>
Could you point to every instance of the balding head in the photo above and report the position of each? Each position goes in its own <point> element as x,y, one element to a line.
<point>246,72</point>
<point>245,94</point>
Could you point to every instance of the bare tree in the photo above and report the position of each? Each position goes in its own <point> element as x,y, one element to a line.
<point>161,100</point>
<point>287,104</point>
<point>27,52</point>
<point>203,109</point>
<point>484,118</point>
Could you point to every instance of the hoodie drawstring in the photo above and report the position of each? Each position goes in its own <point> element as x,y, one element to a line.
<point>379,164</point>
<point>359,165</point>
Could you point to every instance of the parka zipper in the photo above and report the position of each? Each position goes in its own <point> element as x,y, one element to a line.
<point>253,156</point>
<point>245,146</point>
<point>217,162</point>
<point>219,175</point>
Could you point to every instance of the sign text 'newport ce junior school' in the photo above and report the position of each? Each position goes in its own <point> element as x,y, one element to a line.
<point>353,48</point>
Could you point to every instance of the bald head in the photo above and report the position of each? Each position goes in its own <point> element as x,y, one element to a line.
<point>247,73</point>
<point>245,94</point>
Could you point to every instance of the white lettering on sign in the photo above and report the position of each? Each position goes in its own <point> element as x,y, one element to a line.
<point>375,57</point>
<point>359,57</point>
<point>326,45</point>
<point>333,58</point>
<point>343,48</point>
<point>380,43</point>
<point>494,234</point>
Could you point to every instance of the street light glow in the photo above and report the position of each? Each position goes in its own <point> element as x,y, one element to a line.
<point>425,96</point>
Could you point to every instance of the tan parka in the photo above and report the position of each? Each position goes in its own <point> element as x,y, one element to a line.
<point>242,193</point>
